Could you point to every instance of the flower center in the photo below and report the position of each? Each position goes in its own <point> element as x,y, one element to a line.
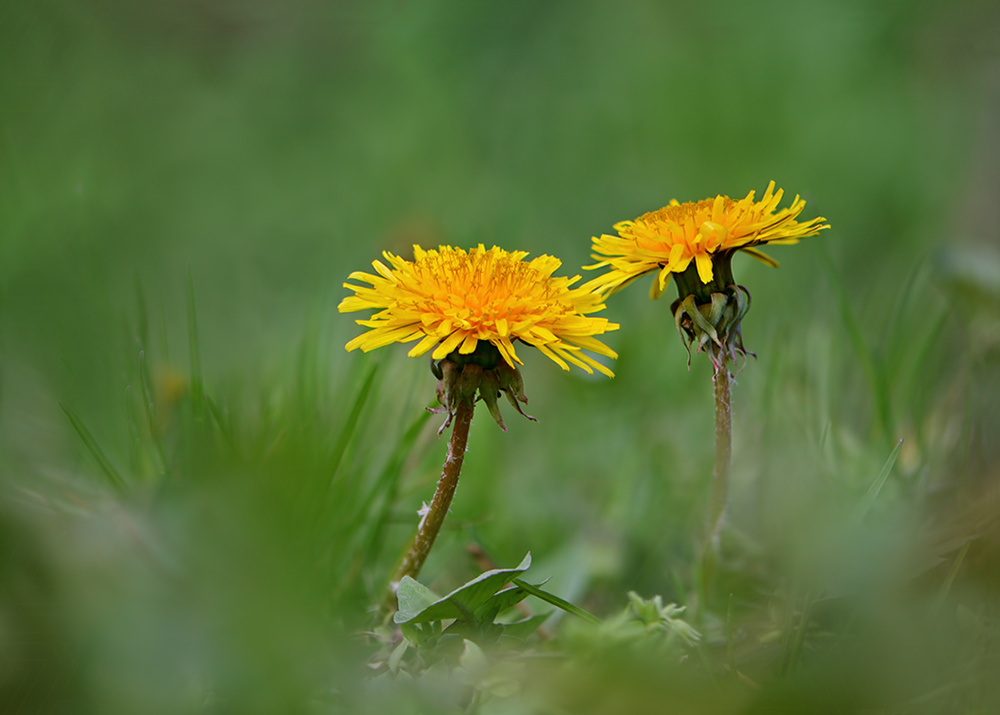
<point>485,291</point>
<point>698,211</point>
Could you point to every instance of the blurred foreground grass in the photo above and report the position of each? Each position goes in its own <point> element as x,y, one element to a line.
<point>266,151</point>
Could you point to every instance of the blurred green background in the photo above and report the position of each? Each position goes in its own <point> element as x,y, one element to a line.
<point>237,160</point>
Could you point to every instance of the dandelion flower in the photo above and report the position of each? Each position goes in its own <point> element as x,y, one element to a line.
<point>703,234</point>
<point>469,309</point>
<point>452,301</point>
<point>695,242</point>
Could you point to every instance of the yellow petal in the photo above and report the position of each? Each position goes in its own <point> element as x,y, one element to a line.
<point>469,344</point>
<point>762,257</point>
<point>423,346</point>
<point>655,291</point>
<point>704,264</point>
<point>553,357</point>
<point>507,350</point>
<point>448,345</point>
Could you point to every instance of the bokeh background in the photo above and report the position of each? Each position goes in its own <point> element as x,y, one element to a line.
<point>232,162</point>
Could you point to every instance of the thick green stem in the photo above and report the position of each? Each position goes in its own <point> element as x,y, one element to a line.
<point>431,523</point>
<point>723,448</point>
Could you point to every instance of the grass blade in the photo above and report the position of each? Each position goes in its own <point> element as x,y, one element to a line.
<point>164,338</point>
<point>946,586</point>
<point>800,632</point>
<point>95,449</point>
<point>730,649</point>
<point>873,373</point>
<point>318,495</point>
<point>876,487</point>
<point>786,628</point>
<point>221,422</point>
<point>387,485</point>
<point>150,409</point>
<point>133,431</point>
<point>915,379</point>
<point>376,509</point>
<point>197,389</point>
<point>142,314</point>
<point>350,425</point>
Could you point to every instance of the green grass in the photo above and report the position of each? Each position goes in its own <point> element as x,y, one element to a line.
<point>202,494</point>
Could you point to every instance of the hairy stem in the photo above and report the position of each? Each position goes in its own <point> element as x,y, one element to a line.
<point>431,523</point>
<point>723,449</point>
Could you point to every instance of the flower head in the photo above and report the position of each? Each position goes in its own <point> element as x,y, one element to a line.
<point>452,300</point>
<point>695,242</point>
<point>698,233</point>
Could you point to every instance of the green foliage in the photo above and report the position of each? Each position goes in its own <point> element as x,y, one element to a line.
<point>470,636</point>
<point>202,495</point>
<point>471,609</point>
<point>476,602</point>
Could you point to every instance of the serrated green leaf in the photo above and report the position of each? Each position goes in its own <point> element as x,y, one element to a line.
<point>464,601</point>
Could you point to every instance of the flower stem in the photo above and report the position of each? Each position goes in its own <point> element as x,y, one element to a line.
<point>723,449</point>
<point>431,523</point>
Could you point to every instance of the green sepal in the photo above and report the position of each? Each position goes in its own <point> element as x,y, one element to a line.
<point>489,390</point>
<point>719,303</point>
<point>691,308</point>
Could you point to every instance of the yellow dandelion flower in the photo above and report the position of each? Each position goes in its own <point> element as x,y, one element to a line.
<point>450,300</point>
<point>673,238</point>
